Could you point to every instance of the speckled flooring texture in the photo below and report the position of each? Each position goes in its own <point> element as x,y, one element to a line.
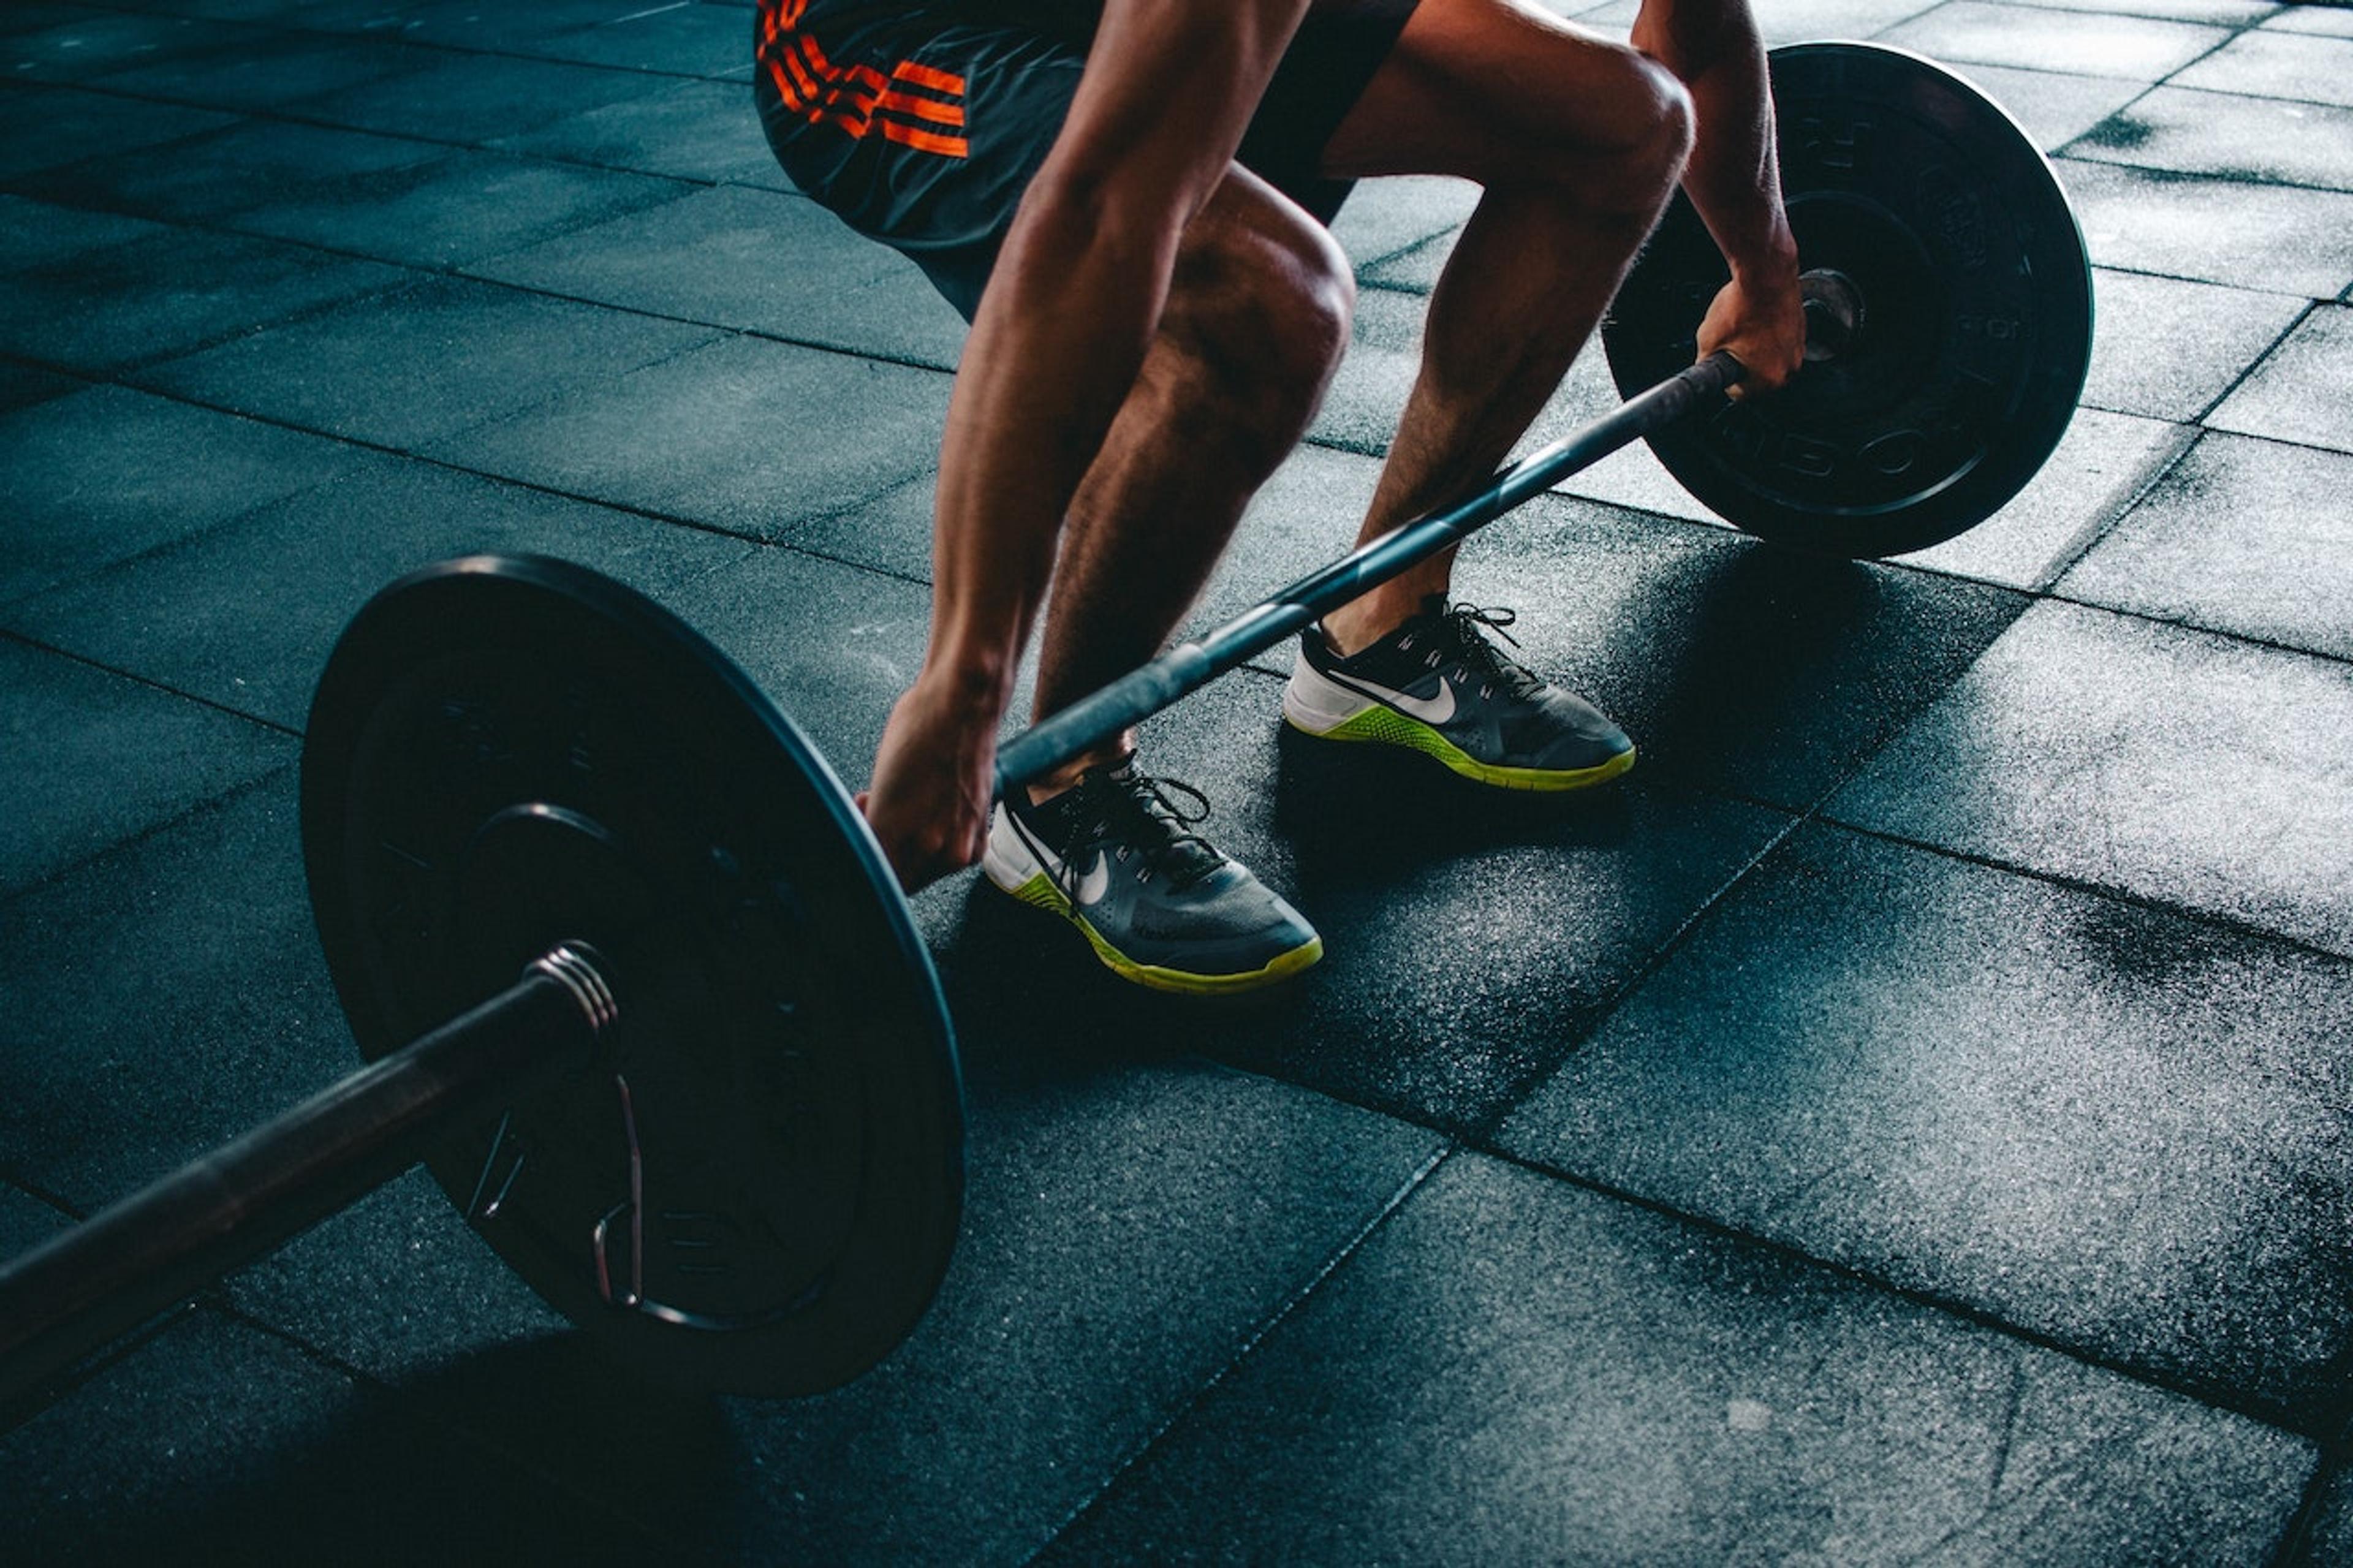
<point>1908,1119</point>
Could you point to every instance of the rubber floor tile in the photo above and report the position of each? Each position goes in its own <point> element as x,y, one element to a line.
<point>2331,1540</point>
<point>256,72</point>
<point>2135,49</point>
<point>1806,19</point>
<point>2274,237</point>
<point>833,645</point>
<point>1215,1198</point>
<point>399,1287</point>
<point>756,260</point>
<point>100,41</point>
<point>169,470</point>
<point>41,128</point>
<point>2118,1128</point>
<point>2178,765</point>
<point>689,129</point>
<point>35,234</point>
<point>26,1221</point>
<point>217,1442</point>
<point>457,209</point>
<point>1383,217</point>
<point>23,385</point>
<point>744,436</point>
<point>688,40</point>
<point>2216,13</point>
<point>2229,137</point>
<point>476,98</point>
<point>2052,108</point>
<point>1513,1370</point>
<point>421,364</point>
<point>464,25</point>
<point>212,177</point>
<point>2100,466</point>
<point>1734,665</point>
<point>2278,65</point>
<point>166,995</point>
<point>2328,21</point>
<point>246,615</point>
<point>2304,392</point>
<point>2167,349</point>
<point>169,294</point>
<point>2246,537</point>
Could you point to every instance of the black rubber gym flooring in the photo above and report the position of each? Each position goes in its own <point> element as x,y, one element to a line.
<point>1909,1120</point>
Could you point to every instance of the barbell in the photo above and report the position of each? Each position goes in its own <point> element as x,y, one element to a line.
<point>634,980</point>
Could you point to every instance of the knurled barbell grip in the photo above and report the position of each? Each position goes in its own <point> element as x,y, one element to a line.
<point>1190,665</point>
<point>123,1265</point>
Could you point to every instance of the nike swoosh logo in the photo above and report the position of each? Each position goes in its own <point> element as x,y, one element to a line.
<point>1088,889</point>
<point>1435,709</point>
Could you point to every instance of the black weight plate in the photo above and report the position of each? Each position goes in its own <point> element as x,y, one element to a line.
<point>757,1185</point>
<point>1977,315</point>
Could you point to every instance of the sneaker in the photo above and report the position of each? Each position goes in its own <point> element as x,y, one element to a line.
<point>1437,685</point>
<point>1118,858</point>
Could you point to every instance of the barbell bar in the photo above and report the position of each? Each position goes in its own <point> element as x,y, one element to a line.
<point>718,1121</point>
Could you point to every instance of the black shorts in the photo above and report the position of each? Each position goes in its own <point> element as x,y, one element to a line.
<point>921,124</point>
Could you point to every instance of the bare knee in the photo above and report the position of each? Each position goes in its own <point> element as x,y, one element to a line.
<point>1665,124</point>
<point>1260,308</point>
<point>1622,151</point>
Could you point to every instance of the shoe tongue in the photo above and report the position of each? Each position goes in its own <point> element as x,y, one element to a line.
<point>1176,852</point>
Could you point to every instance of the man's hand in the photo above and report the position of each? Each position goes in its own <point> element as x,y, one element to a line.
<point>1761,325</point>
<point>934,781</point>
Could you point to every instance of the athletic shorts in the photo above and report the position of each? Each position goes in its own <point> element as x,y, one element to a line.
<point>921,121</point>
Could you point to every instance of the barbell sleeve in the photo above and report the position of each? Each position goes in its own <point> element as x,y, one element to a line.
<point>1190,666</point>
<point>136,1258</point>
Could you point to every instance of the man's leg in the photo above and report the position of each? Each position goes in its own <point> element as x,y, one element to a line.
<point>1256,321</point>
<point>1578,143</point>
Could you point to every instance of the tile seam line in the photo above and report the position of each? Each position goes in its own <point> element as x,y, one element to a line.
<point>2212,1396</point>
<point>279,116</point>
<point>2132,271</point>
<point>144,835</point>
<point>2220,177</point>
<point>2220,920</point>
<point>113,1353</point>
<point>1193,1401</point>
<point>25,639</point>
<point>1895,564</point>
<point>2179,624</point>
<point>214,1301</point>
<point>1821,814</point>
<point>2295,1543</point>
<point>1482,1132</point>
<point>447,465</point>
<point>459,272</point>
<point>457,51</point>
<point>2093,535</point>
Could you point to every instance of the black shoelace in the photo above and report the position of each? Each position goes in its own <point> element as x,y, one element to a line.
<point>1129,813</point>
<point>1478,656</point>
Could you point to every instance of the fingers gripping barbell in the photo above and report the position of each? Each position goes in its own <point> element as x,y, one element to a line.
<point>717,1121</point>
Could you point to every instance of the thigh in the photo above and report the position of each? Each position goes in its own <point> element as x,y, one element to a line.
<point>1485,89</point>
<point>1339,48</point>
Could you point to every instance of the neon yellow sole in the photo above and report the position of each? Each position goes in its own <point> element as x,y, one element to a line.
<point>1386,726</point>
<point>1040,892</point>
